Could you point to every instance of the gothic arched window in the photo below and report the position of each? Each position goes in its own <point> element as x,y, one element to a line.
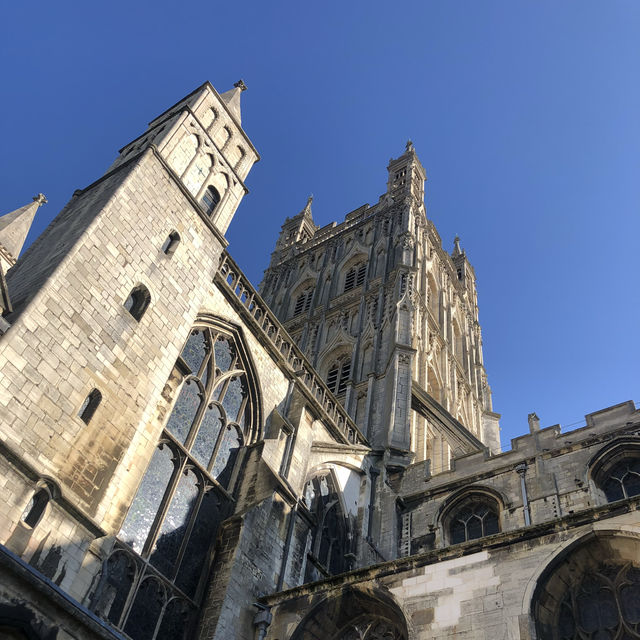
<point>622,480</point>
<point>329,537</point>
<point>471,517</point>
<point>303,301</point>
<point>615,470</point>
<point>210,200</point>
<point>338,375</point>
<point>152,584</point>
<point>355,276</point>
<point>591,592</point>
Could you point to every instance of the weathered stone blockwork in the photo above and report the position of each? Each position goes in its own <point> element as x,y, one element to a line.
<point>176,463</point>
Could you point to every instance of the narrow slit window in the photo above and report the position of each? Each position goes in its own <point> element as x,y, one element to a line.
<point>171,243</point>
<point>35,509</point>
<point>138,301</point>
<point>89,406</point>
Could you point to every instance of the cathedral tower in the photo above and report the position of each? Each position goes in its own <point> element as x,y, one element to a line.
<point>390,319</point>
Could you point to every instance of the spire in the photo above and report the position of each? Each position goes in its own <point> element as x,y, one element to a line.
<point>14,228</point>
<point>232,99</point>
<point>457,251</point>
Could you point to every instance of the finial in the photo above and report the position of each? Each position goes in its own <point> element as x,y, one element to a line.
<point>40,198</point>
<point>240,85</point>
<point>409,146</point>
<point>307,207</point>
<point>534,422</point>
<point>457,251</point>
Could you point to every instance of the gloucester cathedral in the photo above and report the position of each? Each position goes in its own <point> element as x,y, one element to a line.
<point>185,456</point>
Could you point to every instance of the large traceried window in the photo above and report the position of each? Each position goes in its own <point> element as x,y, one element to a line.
<point>329,546</point>
<point>591,592</point>
<point>152,583</point>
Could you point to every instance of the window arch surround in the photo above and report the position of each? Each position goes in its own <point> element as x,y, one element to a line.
<point>591,589</point>
<point>615,470</point>
<point>331,536</point>
<point>153,582</point>
<point>355,614</point>
<point>471,514</point>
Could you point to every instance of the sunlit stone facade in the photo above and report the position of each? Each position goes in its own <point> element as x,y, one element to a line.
<point>182,457</point>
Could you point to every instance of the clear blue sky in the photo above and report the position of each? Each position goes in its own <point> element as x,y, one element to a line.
<point>524,114</point>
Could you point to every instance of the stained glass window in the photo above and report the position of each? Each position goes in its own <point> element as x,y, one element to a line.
<point>603,602</point>
<point>182,499</point>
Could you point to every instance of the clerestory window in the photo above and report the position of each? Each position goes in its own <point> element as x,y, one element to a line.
<point>355,276</point>
<point>622,480</point>
<point>472,518</point>
<point>152,583</point>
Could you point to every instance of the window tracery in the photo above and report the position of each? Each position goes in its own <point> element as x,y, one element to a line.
<point>372,629</point>
<point>622,480</point>
<point>473,517</point>
<point>151,584</point>
<point>593,592</point>
<point>329,536</point>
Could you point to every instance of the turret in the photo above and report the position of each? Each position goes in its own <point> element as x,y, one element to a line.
<point>407,175</point>
<point>14,228</point>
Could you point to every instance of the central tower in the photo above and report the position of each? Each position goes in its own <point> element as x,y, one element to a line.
<point>390,320</point>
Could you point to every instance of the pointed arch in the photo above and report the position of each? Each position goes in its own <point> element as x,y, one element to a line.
<point>164,549</point>
<point>599,572</point>
<point>356,608</point>
<point>470,513</point>
<point>330,536</point>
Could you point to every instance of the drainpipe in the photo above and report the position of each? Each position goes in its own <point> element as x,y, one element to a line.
<point>521,470</point>
<point>262,620</point>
